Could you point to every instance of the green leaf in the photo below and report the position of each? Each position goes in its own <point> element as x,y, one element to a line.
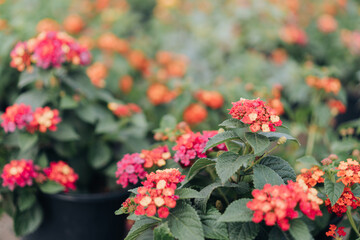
<point>34,98</point>
<point>299,230</point>
<point>280,166</point>
<point>333,190</point>
<point>258,142</point>
<point>27,141</point>
<point>206,192</point>
<point>237,212</point>
<point>274,136</point>
<point>119,211</point>
<point>99,155</point>
<point>65,132</point>
<point>220,138</point>
<point>87,113</point>
<point>198,166</point>
<point>51,187</point>
<point>356,190</point>
<point>168,122</point>
<point>68,102</point>
<point>277,234</point>
<point>28,221</point>
<point>42,161</point>
<point>107,125</point>
<point>264,175</point>
<point>186,193</point>
<point>243,230</point>
<point>184,222</point>
<point>212,228</point>
<point>25,200</point>
<point>162,232</point>
<point>229,162</point>
<point>308,161</point>
<point>140,227</point>
<point>232,123</point>
<point>28,77</point>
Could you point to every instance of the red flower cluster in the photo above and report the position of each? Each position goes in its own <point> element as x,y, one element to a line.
<point>16,116</point>
<point>293,35</point>
<point>170,65</point>
<point>191,146</point>
<point>332,232</point>
<point>347,198</point>
<point>49,49</point>
<point>157,156</point>
<point>124,110</point>
<point>44,119</point>
<point>351,40</point>
<point>328,84</point>
<point>311,176</point>
<point>276,204</point>
<point>195,113</point>
<point>158,193</point>
<point>63,174</point>
<point>18,172</point>
<point>349,172</point>
<point>159,93</point>
<point>275,101</point>
<point>336,107</point>
<point>212,99</point>
<point>129,169</point>
<point>97,73</point>
<point>256,113</point>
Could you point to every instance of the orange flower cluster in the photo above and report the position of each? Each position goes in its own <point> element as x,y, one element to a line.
<point>139,61</point>
<point>327,23</point>
<point>346,199</point>
<point>292,34</point>
<point>327,83</point>
<point>124,110</point>
<point>126,84</point>
<point>337,234</point>
<point>63,174</point>
<point>47,24</point>
<point>311,176</point>
<point>275,102</point>
<point>349,172</point>
<point>336,107</point>
<point>195,113</point>
<point>212,99</point>
<point>73,24</point>
<point>351,40</point>
<point>158,193</point>
<point>157,156</point>
<point>172,134</point>
<point>276,204</point>
<point>97,73</point>
<point>279,56</point>
<point>110,42</point>
<point>18,172</point>
<point>170,65</point>
<point>44,119</point>
<point>159,93</point>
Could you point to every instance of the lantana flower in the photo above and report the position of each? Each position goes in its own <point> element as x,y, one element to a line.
<point>311,176</point>
<point>156,156</point>
<point>16,116</point>
<point>346,199</point>
<point>63,174</point>
<point>18,172</point>
<point>349,172</point>
<point>328,84</point>
<point>212,99</point>
<point>44,119</point>
<point>124,110</point>
<point>337,234</point>
<point>130,169</point>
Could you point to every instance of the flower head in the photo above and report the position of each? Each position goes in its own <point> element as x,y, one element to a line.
<point>157,156</point>
<point>335,233</point>
<point>20,57</point>
<point>195,113</point>
<point>97,73</point>
<point>44,119</point>
<point>18,172</point>
<point>212,99</point>
<point>129,169</point>
<point>327,84</point>
<point>16,116</point>
<point>346,199</point>
<point>124,110</point>
<point>349,172</point>
<point>311,176</point>
<point>63,174</point>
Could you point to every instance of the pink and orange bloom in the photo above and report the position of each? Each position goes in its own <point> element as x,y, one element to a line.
<point>346,199</point>
<point>63,174</point>
<point>130,169</point>
<point>124,110</point>
<point>311,176</point>
<point>335,232</point>
<point>157,156</point>
<point>16,116</point>
<point>18,173</point>
<point>44,119</point>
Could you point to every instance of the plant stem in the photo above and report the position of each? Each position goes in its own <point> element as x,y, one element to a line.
<point>155,218</point>
<point>214,176</point>
<point>265,154</point>
<point>351,220</point>
<point>311,139</point>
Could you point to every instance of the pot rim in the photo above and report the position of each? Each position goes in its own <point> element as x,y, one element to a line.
<point>88,197</point>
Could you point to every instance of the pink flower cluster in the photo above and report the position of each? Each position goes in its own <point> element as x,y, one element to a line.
<point>49,49</point>
<point>129,169</point>
<point>21,115</point>
<point>191,145</point>
<point>255,113</point>
<point>18,172</point>
<point>63,174</point>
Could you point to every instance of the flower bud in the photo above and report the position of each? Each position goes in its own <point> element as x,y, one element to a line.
<point>281,140</point>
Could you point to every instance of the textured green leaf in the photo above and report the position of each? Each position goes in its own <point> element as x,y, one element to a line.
<point>184,222</point>
<point>140,227</point>
<point>28,221</point>
<point>34,98</point>
<point>280,166</point>
<point>229,162</point>
<point>65,132</point>
<point>299,230</point>
<point>162,232</point>
<point>68,102</point>
<point>206,192</point>
<point>27,140</point>
<point>51,187</point>
<point>232,123</point>
<point>212,228</point>
<point>277,234</point>
<point>237,212</point>
<point>99,155</point>
<point>42,161</point>
<point>243,230</point>
<point>25,200</point>
<point>264,175</point>
<point>333,190</point>
<point>308,160</point>
<point>221,138</point>
<point>186,193</point>
<point>28,77</point>
<point>198,166</point>
<point>356,190</point>
<point>107,125</point>
<point>274,136</point>
<point>87,113</point>
<point>258,142</point>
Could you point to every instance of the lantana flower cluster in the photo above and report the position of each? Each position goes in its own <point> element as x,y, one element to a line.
<point>255,113</point>
<point>63,174</point>
<point>18,172</point>
<point>195,113</point>
<point>156,156</point>
<point>311,176</point>
<point>49,49</point>
<point>172,134</point>
<point>328,84</point>
<point>346,199</point>
<point>349,172</point>
<point>158,193</point>
<point>335,232</point>
<point>21,115</point>
<point>159,93</point>
<point>276,204</point>
<point>124,110</point>
<point>129,169</point>
<point>191,146</point>
<point>212,99</point>
<point>336,107</point>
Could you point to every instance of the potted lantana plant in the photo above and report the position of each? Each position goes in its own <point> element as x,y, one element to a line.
<point>241,190</point>
<point>63,134</point>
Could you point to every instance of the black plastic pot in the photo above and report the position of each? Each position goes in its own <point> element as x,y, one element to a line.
<point>81,216</point>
